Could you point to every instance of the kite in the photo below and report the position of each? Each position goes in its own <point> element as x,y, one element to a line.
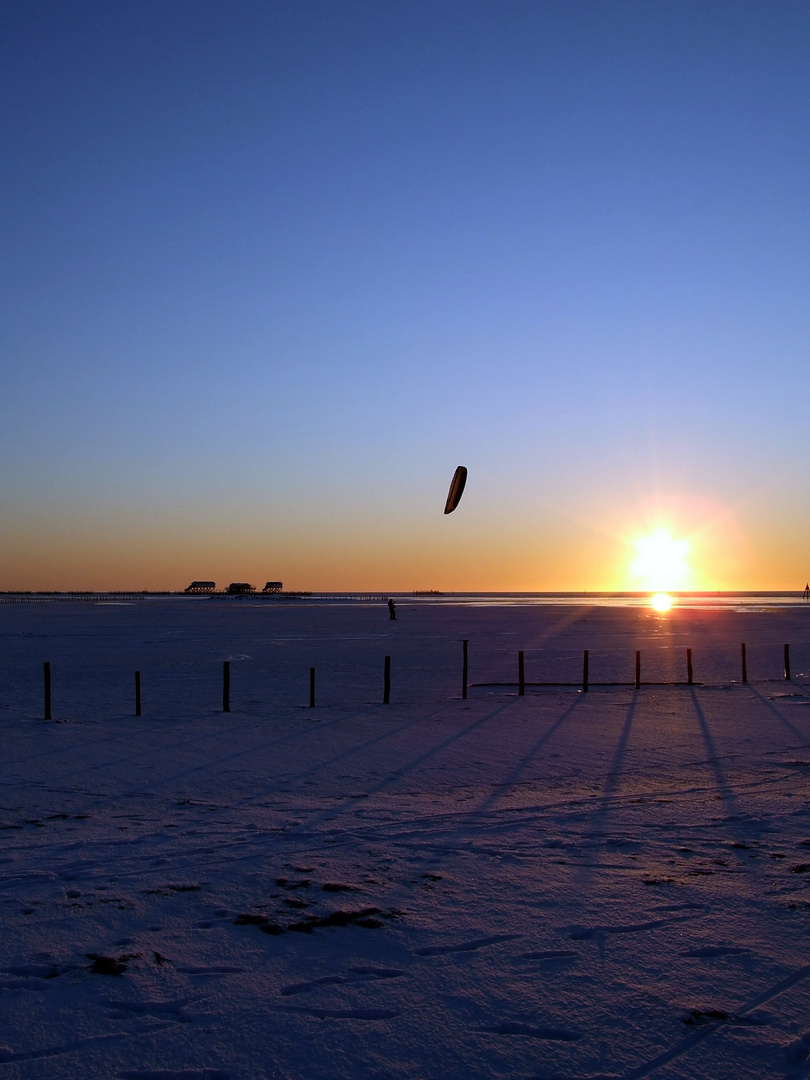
<point>456,489</point>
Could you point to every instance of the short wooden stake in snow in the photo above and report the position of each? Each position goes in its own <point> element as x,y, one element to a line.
<point>137,693</point>
<point>744,664</point>
<point>46,671</point>
<point>312,688</point>
<point>638,669</point>
<point>787,661</point>
<point>226,686</point>
<point>464,670</point>
<point>585,672</point>
<point>387,682</point>
<point>521,675</point>
<point>689,666</point>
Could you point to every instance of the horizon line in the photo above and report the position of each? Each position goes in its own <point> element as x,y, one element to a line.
<point>421,593</point>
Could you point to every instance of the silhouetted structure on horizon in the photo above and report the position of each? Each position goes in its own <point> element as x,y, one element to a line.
<point>201,586</point>
<point>273,586</point>
<point>240,588</point>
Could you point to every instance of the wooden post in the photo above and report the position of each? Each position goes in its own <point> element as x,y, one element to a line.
<point>521,675</point>
<point>387,682</point>
<point>744,664</point>
<point>585,672</point>
<point>226,686</point>
<point>464,670</point>
<point>46,671</point>
<point>312,688</point>
<point>689,666</point>
<point>787,661</point>
<point>137,693</point>
<point>638,669</point>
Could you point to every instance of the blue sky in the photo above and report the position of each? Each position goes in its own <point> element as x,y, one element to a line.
<point>270,271</point>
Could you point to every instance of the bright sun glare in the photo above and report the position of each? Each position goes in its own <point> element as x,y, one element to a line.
<point>660,562</point>
<point>661,602</point>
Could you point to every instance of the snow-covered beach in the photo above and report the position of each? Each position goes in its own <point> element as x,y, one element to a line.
<point>562,885</point>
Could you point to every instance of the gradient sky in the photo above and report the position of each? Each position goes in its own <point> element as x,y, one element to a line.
<point>270,271</point>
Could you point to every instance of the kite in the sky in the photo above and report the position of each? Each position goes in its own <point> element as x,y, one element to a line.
<point>456,489</point>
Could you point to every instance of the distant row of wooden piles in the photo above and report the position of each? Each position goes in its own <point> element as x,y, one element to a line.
<point>521,683</point>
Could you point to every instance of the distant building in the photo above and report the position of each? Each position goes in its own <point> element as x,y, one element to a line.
<point>240,588</point>
<point>273,586</point>
<point>201,586</point>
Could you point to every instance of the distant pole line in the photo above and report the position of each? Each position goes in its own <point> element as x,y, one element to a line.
<point>312,688</point>
<point>744,663</point>
<point>638,669</point>
<point>787,661</point>
<point>226,686</point>
<point>46,672</point>
<point>521,675</point>
<point>387,681</point>
<point>464,669</point>
<point>137,693</point>
<point>689,666</point>
<point>585,672</point>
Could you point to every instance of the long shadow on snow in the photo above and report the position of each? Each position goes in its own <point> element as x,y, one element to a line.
<point>239,725</point>
<point>802,735</point>
<point>359,747</point>
<point>505,786</point>
<point>612,783</point>
<point>320,818</point>
<point>142,788</point>
<point>724,789</point>
<point>323,816</point>
<point>256,797</point>
<point>478,813</point>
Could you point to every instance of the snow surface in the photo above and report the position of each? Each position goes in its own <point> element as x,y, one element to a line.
<point>559,886</point>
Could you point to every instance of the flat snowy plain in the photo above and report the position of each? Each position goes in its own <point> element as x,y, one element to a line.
<point>563,886</point>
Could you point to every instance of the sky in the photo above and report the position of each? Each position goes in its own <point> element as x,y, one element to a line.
<point>270,271</point>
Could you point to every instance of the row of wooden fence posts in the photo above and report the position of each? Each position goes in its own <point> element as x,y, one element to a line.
<point>226,677</point>
<point>227,687</point>
<point>637,681</point>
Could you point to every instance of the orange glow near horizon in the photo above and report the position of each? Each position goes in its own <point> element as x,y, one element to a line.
<point>648,546</point>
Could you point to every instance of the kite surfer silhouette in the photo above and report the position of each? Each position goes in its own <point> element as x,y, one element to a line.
<point>456,489</point>
<point>806,593</point>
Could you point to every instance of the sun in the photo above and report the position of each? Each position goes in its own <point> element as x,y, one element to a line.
<point>660,562</point>
<point>661,601</point>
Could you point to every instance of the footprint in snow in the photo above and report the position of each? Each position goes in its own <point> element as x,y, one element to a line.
<point>356,974</point>
<point>174,1074</point>
<point>679,907</point>
<point>349,1014</point>
<point>313,984</point>
<point>710,952</point>
<point>35,971</point>
<point>511,1027</point>
<point>587,933</point>
<point>222,969</point>
<point>553,960</point>
<point>465,946</point>
<point>169,1010</point>
<point>110,965</point>
<point>21,984</point>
